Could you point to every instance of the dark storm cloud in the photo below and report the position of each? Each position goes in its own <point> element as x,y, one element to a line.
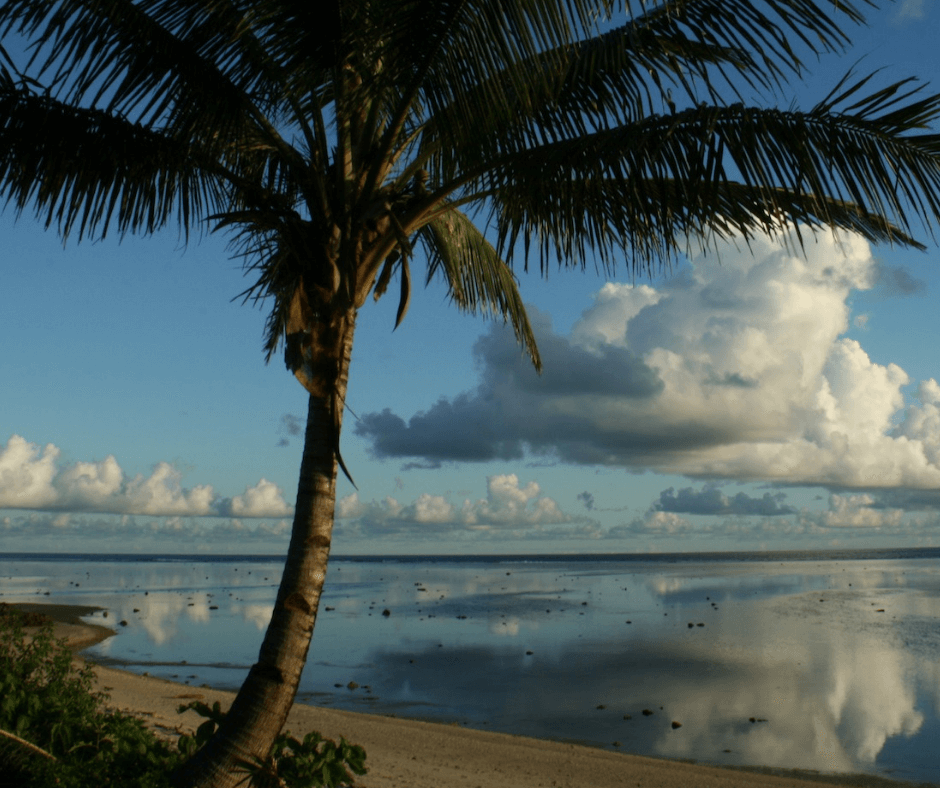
<point>515,409</point>
<point>711,500</point>
<point>909,500</point>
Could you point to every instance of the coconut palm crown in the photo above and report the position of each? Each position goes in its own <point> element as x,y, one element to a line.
<point>343,141</point>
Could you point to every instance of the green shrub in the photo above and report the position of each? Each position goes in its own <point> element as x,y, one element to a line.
<point>48,701</point>
<point>59,733</point>
<point>310,763</point>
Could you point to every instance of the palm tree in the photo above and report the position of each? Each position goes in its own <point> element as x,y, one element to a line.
<point>336,141</point>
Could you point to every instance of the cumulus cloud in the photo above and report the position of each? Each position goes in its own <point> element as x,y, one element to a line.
<point>855,511</point>
<point>265,499</point>
<point>734,369</point>
<point>508,508</point>
<point>33,478</point>
<point>514,406</point>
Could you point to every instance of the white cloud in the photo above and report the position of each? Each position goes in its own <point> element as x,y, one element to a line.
<point>508,507</point>
<point>854,511</point>
<point>734,369</point>
<point>32,478</point>
<point>265,499</point>
<point>26,474</point>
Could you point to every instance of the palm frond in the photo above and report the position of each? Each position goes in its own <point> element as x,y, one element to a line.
<point>604,192</point>
<point>478,278</point>
<point>541,90</point>
<point>109,173</point>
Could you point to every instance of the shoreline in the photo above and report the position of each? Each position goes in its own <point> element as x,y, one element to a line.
<point>407,753</point>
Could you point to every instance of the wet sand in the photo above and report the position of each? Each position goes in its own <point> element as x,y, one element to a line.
<point>405,753</point>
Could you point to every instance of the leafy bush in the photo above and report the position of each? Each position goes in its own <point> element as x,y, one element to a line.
<point>310,763</point>
<point>55,730</point>
<point>47,700</point>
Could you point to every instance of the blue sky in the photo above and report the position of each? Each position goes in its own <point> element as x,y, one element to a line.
<point>750,400</point>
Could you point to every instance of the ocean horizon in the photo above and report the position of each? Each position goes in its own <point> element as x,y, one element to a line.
<point>825,660</point>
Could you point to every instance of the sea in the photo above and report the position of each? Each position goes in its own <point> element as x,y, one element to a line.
<point>825,661</point>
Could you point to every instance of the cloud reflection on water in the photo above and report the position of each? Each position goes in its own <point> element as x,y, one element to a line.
<point>803,648</point>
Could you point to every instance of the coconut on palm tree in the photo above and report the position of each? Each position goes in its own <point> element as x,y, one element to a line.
<point>342,142</point>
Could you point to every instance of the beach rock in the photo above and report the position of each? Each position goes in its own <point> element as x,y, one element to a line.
<point>676,724</point>
<point>601,706</point>
<point>648,712</point>
<point>627,717</point>
<point>386,612</point>
<point>123,623</point>
<point>352,685</point>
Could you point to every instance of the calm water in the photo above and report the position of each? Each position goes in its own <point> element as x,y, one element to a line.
<point>828,662</point>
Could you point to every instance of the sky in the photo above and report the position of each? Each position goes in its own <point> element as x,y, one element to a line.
<point>748,399</point>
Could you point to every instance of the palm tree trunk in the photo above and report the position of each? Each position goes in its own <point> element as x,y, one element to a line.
<point>260,709</point>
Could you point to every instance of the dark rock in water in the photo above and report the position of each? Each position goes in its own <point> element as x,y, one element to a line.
<point>648,712</point>
<point>328,609</point>
<point>627,717</point>
<point>691,625</point>
<point>529,653</point>
<point>676,724</point>
<point>700,625</point>
<point>352,685</point>
<point>386,612</point>
<point>337,685</point>
<point>123,623</point>
<point>601,706</point>
<point>616,744</point>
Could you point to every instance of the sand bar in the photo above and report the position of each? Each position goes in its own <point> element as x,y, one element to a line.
<point>405,753</point>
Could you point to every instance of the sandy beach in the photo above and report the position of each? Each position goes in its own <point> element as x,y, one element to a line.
<point>404,753</point>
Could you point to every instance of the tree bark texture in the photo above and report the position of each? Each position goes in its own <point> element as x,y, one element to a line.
<point>260,709</point>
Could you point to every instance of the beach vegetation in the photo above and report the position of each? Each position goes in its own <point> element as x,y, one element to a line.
<point>342,143</point>
<point>310,762</point>
<point>56,730</point>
